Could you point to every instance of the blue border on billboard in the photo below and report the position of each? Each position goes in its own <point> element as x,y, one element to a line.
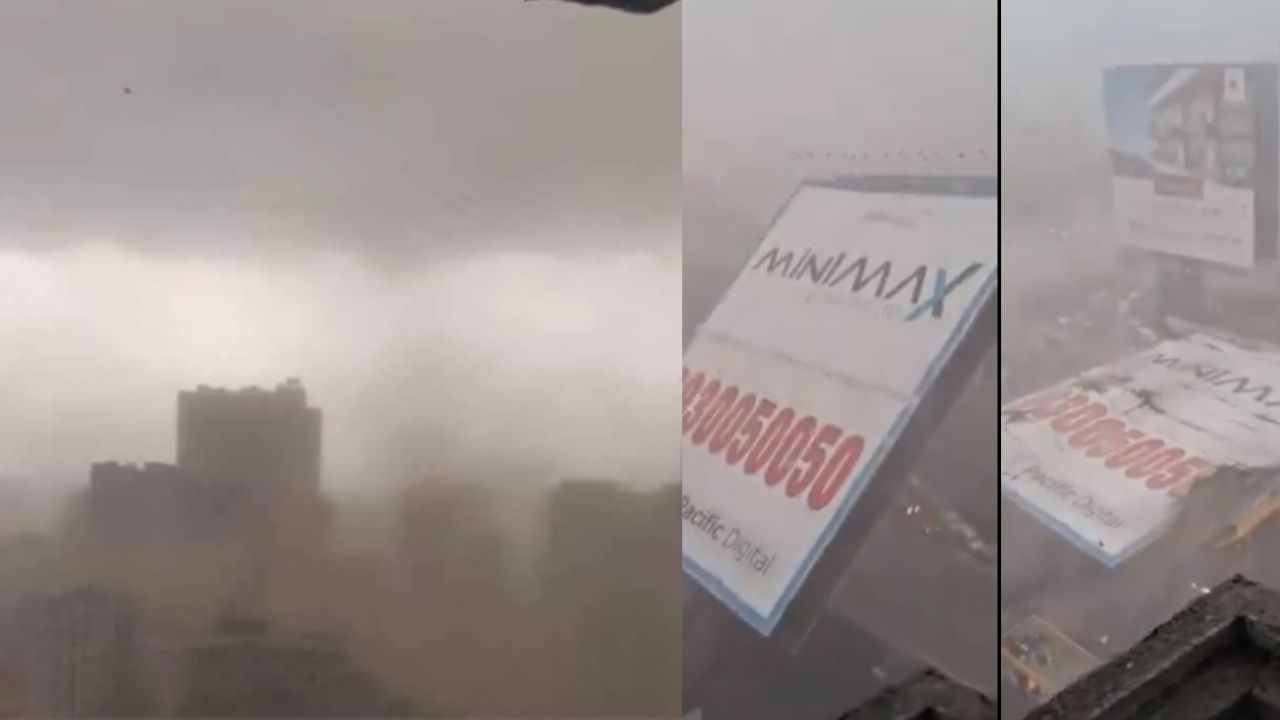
<point>1111,560</point>
<point>897,185</point>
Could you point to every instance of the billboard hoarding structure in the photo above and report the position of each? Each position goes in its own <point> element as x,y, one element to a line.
<point>1111,458</point>
<point>826,346</point>
<point>1195,159</point>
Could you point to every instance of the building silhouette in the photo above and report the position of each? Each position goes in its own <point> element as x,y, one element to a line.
<point>247,668</point>
<point>614,582</point>
<point>237,452</point>
<point>246,480</point>
<point>266,439</point>
<point>1217,657</point>
<point>135,503</point>
<point>256,454</point>
<point>80,655</point>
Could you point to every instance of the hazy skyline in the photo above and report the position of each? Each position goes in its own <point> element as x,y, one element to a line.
<point>457,221</point>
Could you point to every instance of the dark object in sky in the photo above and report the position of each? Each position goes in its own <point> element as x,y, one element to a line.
<point>1215,658</point>
<point>927,695</point>
<point>128,91</point>
<point>642,7</point>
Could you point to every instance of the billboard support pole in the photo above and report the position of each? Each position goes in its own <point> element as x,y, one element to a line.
<point>1180,290</point>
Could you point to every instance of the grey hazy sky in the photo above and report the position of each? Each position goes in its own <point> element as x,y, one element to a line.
<point>394,123</point>
<point>1054,51</point>
<point>456,220</point>
<point>767,82</point>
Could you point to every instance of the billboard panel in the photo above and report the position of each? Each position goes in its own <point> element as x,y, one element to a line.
<point>807,371</point>
<point>1108,459</point>
<point>1194,159</point>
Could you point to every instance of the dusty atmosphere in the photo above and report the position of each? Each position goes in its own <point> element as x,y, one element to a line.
<point>1074,299</point>
<point>457,225</point>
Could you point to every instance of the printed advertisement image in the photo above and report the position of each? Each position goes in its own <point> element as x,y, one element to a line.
<point>1194,159</point>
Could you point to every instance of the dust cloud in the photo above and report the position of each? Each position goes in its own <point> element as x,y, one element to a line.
<point>1073,299</point>
<point>441,243</point>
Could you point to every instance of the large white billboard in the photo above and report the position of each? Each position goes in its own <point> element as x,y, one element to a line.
<point>1194,159</point>
<point>1106,458</point>
<point>805,374</point>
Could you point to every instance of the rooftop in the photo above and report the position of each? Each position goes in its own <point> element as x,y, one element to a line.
<point>1215,658</point>
<point>290,388</point>
<point>926,696</point>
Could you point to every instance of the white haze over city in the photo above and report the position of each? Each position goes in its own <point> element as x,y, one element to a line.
<point>457,222</point>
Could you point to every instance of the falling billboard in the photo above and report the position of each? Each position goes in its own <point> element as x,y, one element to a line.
<point>1194,159</point>
<point>807,371</point>
<point>1108,458</point>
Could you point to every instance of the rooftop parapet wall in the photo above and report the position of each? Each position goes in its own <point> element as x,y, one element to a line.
<point>1218,657</point>
<point>289,394</point>
<point>928,695</point>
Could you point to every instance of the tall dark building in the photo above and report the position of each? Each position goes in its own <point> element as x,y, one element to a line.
<point>234,447</point>
<point>265,448</point>
<point>267,439</point>
<point>247,479</point>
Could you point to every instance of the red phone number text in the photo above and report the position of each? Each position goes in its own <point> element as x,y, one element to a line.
<point>1092,428</point>
<point>801,454</point>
